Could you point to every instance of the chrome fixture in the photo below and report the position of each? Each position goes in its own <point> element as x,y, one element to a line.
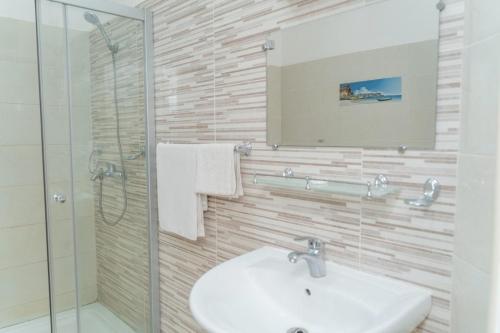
<point>94,20</point>
<point>97,174</point>
<point>244,148</point>
<point>112,171</point>
<point>288,172</point>
<point>308,183</point>
<point>380,183</point>
<point>402,149</point>
<point>268,45</point>
<point>59,197</point>
<point>297,330</point>
<point>137,154</point>
<point>369,192</point>
<point>93,160</point>
<point>432,189</point>
<point>315,256</point>
<point>109,170</point>
<point>441,5</point>
<point>275,147</point>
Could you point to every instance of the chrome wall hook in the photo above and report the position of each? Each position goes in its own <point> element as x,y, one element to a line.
<point>380,184</point>
<point>244,148</point>
<point>308,183</point>
<point>432,189</point>
<point>369,193</point>
<point>268,45</point>
<point>288,172</point>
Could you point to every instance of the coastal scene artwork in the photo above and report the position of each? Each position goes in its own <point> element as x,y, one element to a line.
<point>371,91</point>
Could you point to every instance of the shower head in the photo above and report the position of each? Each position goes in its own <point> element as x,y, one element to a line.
<point>94,20</point>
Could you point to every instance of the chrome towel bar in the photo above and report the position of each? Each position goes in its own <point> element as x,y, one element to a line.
<point>244,148</point>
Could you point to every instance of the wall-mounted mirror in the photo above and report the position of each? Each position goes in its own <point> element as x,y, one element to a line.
<point>362,78</point>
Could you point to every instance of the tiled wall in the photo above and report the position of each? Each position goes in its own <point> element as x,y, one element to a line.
<point>477,164</point>
<point>122,249</point>
<point>211,86</point>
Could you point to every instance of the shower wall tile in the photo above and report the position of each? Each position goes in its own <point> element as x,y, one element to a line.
<point>21,205</point>
<point>23,284</point>
<point>211,87</point>
<point>19,118</point>
<point>22,163</point>
<point>22,245</point>
<point>24,312</point>
<point>14,48</point>
<point>22,85</point>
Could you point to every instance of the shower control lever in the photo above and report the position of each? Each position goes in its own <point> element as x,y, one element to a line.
<point>112,171</point>
<point>59,197</point>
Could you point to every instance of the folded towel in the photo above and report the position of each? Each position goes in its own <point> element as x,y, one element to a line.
<point>218,170</point>
<point>180,208</point>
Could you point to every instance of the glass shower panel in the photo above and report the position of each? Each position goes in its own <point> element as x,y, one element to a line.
<point>93,80</point>
<point>106,53</point>
<point>24,290</point>
<point>58,162</point>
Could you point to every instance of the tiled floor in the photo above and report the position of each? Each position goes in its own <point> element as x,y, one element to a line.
<point>95,318</point>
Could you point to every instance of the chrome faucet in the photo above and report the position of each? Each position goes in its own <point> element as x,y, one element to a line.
<point>109,170</point>
<point>315,256</point>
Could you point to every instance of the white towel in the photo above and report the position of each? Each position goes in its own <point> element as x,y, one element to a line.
<point>180,208</point>
<point>218,171</point>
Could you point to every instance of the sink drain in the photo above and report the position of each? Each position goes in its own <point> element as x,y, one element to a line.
<point>297,330</point>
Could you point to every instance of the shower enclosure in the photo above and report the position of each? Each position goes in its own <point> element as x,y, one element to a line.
<point>79,246</point>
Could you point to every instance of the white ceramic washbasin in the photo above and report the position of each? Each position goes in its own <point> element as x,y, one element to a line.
<point>262,292</point>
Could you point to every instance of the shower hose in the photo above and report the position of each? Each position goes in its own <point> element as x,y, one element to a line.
<point>122,163</point>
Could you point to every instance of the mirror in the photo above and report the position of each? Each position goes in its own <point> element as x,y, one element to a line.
<point>362,78</point>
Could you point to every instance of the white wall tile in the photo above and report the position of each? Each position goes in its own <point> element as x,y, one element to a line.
<point>19,124</point>
<point>22,245</point>
<point>471,293</point>
<point>21,205</point>
<point>482,19</point>
<point>20,165</point>
<point>480,100</point>
<point>475,210</point>
<point>23,284</point>
<point>20,83</point>
<point>22,312</point>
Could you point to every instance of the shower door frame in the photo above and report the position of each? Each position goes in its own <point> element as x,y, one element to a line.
<point>145,16</point>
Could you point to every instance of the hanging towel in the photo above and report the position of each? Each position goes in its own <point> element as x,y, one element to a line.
<point>180,208</point>
<point>218,170</point>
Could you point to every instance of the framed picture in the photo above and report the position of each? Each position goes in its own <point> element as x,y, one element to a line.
<point>371,91</point>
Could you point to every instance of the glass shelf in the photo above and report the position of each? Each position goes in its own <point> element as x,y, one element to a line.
<point>376,189</point>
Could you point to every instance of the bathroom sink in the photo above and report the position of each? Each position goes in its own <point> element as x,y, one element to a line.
<point>262,292</point>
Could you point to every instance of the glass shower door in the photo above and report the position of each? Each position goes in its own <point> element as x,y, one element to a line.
<point>94,124</point>
<point>24,290</point>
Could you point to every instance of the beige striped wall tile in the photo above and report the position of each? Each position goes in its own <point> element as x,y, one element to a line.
<point>211,86</point>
